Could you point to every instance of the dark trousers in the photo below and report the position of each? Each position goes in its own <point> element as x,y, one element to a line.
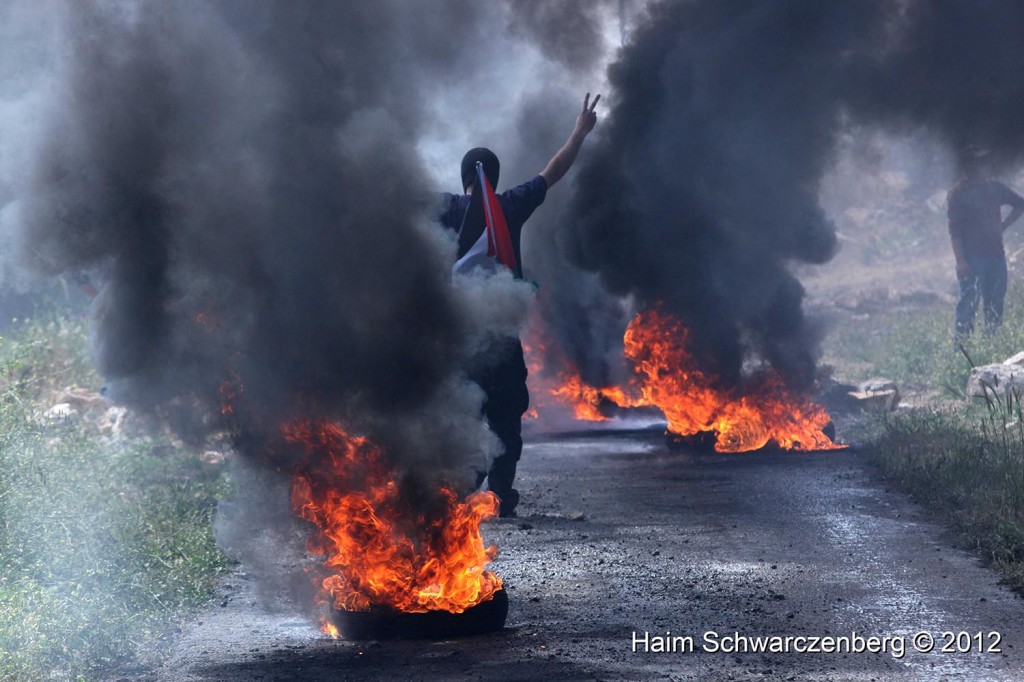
<point>986,283</point>
<point>502,375</point>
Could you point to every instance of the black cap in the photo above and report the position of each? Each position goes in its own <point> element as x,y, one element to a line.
<point>973,159</point>
<point>491,166</point>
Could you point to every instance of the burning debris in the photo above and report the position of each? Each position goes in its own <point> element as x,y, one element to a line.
<point>763,411</point>
<point>760,412</point>
<point>590,403</point>
<point>485,617</point>
<point>383,550</point>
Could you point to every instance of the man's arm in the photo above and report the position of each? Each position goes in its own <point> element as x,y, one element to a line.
<point>962,268</point>
<point>1016,203</point>
<point>563,159</point>
<point>955,223</point>
<point>1011,218</point>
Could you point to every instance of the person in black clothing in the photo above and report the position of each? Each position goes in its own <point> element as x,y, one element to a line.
<point>976,227</point>
<point>501,370</point>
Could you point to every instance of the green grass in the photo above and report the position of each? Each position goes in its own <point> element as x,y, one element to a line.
<point>970,468</point>
<point>964,459</point>
<point>105,542</point>
<point>915,347</point>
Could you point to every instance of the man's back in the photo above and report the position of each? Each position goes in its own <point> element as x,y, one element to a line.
<point>974,208</point>
<point>518,204</point>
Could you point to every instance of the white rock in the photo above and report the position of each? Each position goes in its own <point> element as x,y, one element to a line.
<point>1000,380</point>
<point>60,412</point>
<point>882,400</point>
<point>877,385</point>
<point>212,457</point>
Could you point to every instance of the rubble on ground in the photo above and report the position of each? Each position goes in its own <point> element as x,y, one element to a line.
<point>877,393</point>
<point>75,402</point>
<point>213,457</point>
<point>997,380</point>
<point>96,411</point>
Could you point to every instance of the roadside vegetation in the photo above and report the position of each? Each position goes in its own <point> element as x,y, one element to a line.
<point>963,458</point>
<point>970,467</point>
<point>914,346</point>
<point>105,530</point>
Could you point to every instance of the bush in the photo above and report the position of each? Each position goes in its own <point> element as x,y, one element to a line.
<point>105,543</point>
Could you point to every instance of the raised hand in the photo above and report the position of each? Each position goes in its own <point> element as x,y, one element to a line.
<point>564,157</point>
<point>588,117</point>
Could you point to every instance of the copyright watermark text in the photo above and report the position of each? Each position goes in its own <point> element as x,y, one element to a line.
<point>897,646</point>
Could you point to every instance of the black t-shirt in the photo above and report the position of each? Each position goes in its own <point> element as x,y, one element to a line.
<point>518,204</point>
<point>974,210</point>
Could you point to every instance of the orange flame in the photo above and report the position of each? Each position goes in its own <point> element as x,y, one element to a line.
<point>567,388</point>
<point>586,400</point>
<point>657,346</point>
<point>380,551</point>
<point>329,629</point>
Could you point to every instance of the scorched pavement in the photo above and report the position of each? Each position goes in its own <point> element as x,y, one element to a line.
<point>619,534</point>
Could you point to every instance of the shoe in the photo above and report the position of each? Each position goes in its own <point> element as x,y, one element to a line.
<point>507,508</point>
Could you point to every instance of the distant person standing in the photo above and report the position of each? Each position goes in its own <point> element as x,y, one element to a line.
<point>976,225</point>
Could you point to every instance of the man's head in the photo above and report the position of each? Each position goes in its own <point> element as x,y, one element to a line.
<point>487,158</point>
<point>974,161</point>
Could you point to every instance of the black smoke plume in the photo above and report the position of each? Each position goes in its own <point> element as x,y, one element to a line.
<point>247,173</point>
<point>703,188</point>
<point>567,32</point>
<point>580,324</point>
<point>950,69</point>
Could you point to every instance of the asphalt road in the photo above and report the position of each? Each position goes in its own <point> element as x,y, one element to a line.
<point>619,535</point>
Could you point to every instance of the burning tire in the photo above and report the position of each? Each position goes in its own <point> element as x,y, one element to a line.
<point>488,616</point>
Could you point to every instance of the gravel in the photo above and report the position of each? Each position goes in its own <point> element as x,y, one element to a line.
<point>619,534</point>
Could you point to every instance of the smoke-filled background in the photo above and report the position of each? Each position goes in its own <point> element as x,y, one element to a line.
<point>258,179</point>
<point>259,182</point>
<point>251,180</point>
<point>234,168</point>
<point>705,187</point>
<point>238,178</point>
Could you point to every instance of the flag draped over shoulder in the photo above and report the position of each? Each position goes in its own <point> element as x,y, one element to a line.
<point>495,243</point>
<point>499,243</point>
